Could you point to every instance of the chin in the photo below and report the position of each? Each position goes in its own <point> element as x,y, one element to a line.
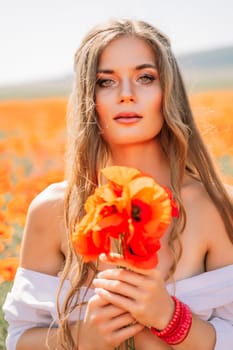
<point>131,141</point>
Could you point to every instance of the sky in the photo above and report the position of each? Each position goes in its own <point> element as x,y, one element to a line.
<point>38,38</point>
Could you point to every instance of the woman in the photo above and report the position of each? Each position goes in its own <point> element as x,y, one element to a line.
<point>128,107</point>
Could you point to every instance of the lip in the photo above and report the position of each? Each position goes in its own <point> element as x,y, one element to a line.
<point>127,115</point>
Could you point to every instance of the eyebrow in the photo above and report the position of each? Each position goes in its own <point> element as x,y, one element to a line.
<point>139,67</point>
<point>146,65</point>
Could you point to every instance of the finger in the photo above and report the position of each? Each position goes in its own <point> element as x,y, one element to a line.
<point>121,321</point>
<point>116,299</point>
<point>116,286</point>
<point>127,332</point>
<point>130,277</point>
<point>118,260</point>
<point>97,301</point>
<point>106,310</point>
<point>111,311</point>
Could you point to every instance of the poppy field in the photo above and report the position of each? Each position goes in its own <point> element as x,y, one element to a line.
<point>32,149</point>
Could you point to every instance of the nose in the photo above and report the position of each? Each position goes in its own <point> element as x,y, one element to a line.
<point>126,94</point>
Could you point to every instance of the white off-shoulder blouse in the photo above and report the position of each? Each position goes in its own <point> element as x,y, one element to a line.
<point>32,302</point>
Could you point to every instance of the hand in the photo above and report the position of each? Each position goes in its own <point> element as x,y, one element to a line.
<point>142,293</point>
<point>105,326</point>
<point>147,340</point>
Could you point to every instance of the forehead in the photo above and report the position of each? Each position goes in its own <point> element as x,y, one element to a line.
<point>126,50</point>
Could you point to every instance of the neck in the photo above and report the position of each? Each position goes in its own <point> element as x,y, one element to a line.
<point>148,158</point>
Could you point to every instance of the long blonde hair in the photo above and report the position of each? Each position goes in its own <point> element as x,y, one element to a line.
<point>88,152</point>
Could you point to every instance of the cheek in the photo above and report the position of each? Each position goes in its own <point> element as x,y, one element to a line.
<point>100,105</point>
<point>156,109</point>
<point>158,106</point>
<point>158,98</point>
<point>103,109</point>
<point>153,99</point>
<point>101,115</point>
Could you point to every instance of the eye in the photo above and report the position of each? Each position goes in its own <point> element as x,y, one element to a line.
<point>104,83</point>
<point>146,79</point>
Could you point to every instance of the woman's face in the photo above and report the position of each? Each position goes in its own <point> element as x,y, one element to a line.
<point>128,93</point>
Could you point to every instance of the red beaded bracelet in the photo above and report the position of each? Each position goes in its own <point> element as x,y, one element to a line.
<point>179,326</point>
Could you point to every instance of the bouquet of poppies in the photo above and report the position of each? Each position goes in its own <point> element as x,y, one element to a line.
<point>132,210</point>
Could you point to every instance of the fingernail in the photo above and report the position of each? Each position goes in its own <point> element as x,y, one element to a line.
<point>102,256</point>
<point>98,290</point>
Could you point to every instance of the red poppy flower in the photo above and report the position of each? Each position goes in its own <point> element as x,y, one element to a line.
<point>133,210</point>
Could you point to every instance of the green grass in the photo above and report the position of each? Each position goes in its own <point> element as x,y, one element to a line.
<point>4,288</point>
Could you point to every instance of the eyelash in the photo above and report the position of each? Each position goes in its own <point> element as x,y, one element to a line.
<point>148,76</point>
<point>100,82</point>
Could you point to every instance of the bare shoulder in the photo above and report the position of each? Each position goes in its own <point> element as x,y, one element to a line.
<point>195,197</point>
<point>44,231</point>
<point>47,208</point>
<point>204,215</point>
<point>53,193</point>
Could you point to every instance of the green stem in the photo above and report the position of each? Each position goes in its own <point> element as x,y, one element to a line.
<point>129,343</point>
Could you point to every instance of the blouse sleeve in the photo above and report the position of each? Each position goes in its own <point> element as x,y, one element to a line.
<point>32,303</point>
<point>224,333</point>
<point>210,297</point>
